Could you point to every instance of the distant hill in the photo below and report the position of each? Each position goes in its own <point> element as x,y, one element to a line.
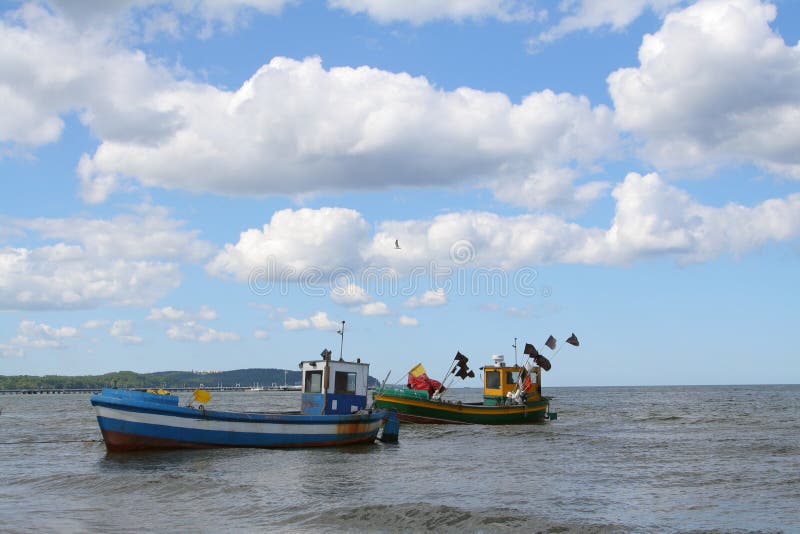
<point>166,379</point>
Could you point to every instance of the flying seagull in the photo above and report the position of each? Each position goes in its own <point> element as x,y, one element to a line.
<point>397,244</point>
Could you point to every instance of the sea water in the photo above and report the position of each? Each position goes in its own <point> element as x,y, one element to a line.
<point>623,459</point>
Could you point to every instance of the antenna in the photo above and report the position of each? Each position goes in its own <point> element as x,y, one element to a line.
<point>515,351</point>
<point>341,345</point>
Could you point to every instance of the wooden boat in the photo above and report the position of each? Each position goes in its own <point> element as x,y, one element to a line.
<point>333,412</point>
<point>511,394</point>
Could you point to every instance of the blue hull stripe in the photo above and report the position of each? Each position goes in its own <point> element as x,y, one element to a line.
<point>223,438</point>
<point>129,405</point>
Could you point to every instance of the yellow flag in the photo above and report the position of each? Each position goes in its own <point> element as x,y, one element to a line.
<point>202,396</point>
<point>418,370</point>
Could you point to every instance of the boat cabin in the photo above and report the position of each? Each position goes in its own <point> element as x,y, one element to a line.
<point>333,387</point>
<point>500,380</point>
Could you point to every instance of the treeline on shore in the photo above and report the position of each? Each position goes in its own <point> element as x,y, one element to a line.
<point>162,379</point>
<point>167,379</point>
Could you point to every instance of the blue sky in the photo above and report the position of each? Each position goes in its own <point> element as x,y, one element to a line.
<point>217,185</point>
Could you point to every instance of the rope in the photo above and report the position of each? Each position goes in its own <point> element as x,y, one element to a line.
<point>52,441</point>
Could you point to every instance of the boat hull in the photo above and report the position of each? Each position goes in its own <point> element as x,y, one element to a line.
<point>418,410</point>
<point>131,421</point>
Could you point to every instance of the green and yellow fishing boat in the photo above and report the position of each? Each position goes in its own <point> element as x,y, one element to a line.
<point>512,394</point>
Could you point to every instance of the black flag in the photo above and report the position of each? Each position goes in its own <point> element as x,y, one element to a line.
<point>542,362</point>
<point>530,350</point>
<point>551,342</point>
<point>573,340</point>
<point>461,364</point>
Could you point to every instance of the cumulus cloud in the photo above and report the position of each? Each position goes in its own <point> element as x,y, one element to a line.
<point>261,334</point>
<point>64,70</point>
<point>422,11</point>
<point>168,313</point>
<point>31,334</point>
<point>119,261</point>
<point>192,331</point>
<point>349,294</point>
<point>294,242</point>
<point>123,331</point>
<point>592,14</point>
<point>431,298</point>
<point>318,321</point>
<point>652,219</point>
<point>295,127</point>
<point>66,276</point>
<point>549,188</point>
<point>94,324</point>
<point>147,232</point>
<point>715,85</point>
<point>373,308</point>
<point>405,320</point>
<point>291,323</point>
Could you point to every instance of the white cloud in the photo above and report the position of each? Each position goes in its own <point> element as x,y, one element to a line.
<point>296,128</point>
<point>261,334</point>
<point>373,308</point>
<point>40,336</point>
<point>66,276</point>
<point>321,321</point>
<point>405,320</point>
<point>715,86</point>
<point>192,331</point>
<point>592,14</point>
<point>167,313</point>
<point>318,321</point>
<point>290,323</point>
<point>94,324</point>
<point>65,70</point>
<point>431,298</point>
<point>549,188</point>
<point>294,243</point>
<point>349,294</point>
<point>170,313</point>
<point>148,232</point>
<point>422,11</point>
<point>100,261</point>
<point>292,128</point>
<point>123,331</point>
<point>652,219</point>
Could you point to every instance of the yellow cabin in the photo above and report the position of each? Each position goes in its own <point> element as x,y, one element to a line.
<point>500,380</point>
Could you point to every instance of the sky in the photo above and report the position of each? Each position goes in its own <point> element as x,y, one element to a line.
<point>215,185</point>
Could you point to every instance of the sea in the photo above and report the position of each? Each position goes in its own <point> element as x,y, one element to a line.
<point>616,459</point>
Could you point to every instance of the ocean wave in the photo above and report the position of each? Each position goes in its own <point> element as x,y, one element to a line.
<point>425,517</point>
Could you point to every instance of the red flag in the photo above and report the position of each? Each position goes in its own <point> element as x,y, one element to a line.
<point>526,384</point>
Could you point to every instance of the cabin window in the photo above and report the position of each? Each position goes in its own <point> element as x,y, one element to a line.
<point>344,383</point>
<point>511,377</point>
<point>492,380</point>
<point>313,382</point>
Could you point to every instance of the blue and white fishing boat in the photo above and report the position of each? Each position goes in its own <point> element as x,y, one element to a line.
<point>333,412</point>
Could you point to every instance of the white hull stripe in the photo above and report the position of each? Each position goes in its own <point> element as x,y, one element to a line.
<point>232,426</point>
